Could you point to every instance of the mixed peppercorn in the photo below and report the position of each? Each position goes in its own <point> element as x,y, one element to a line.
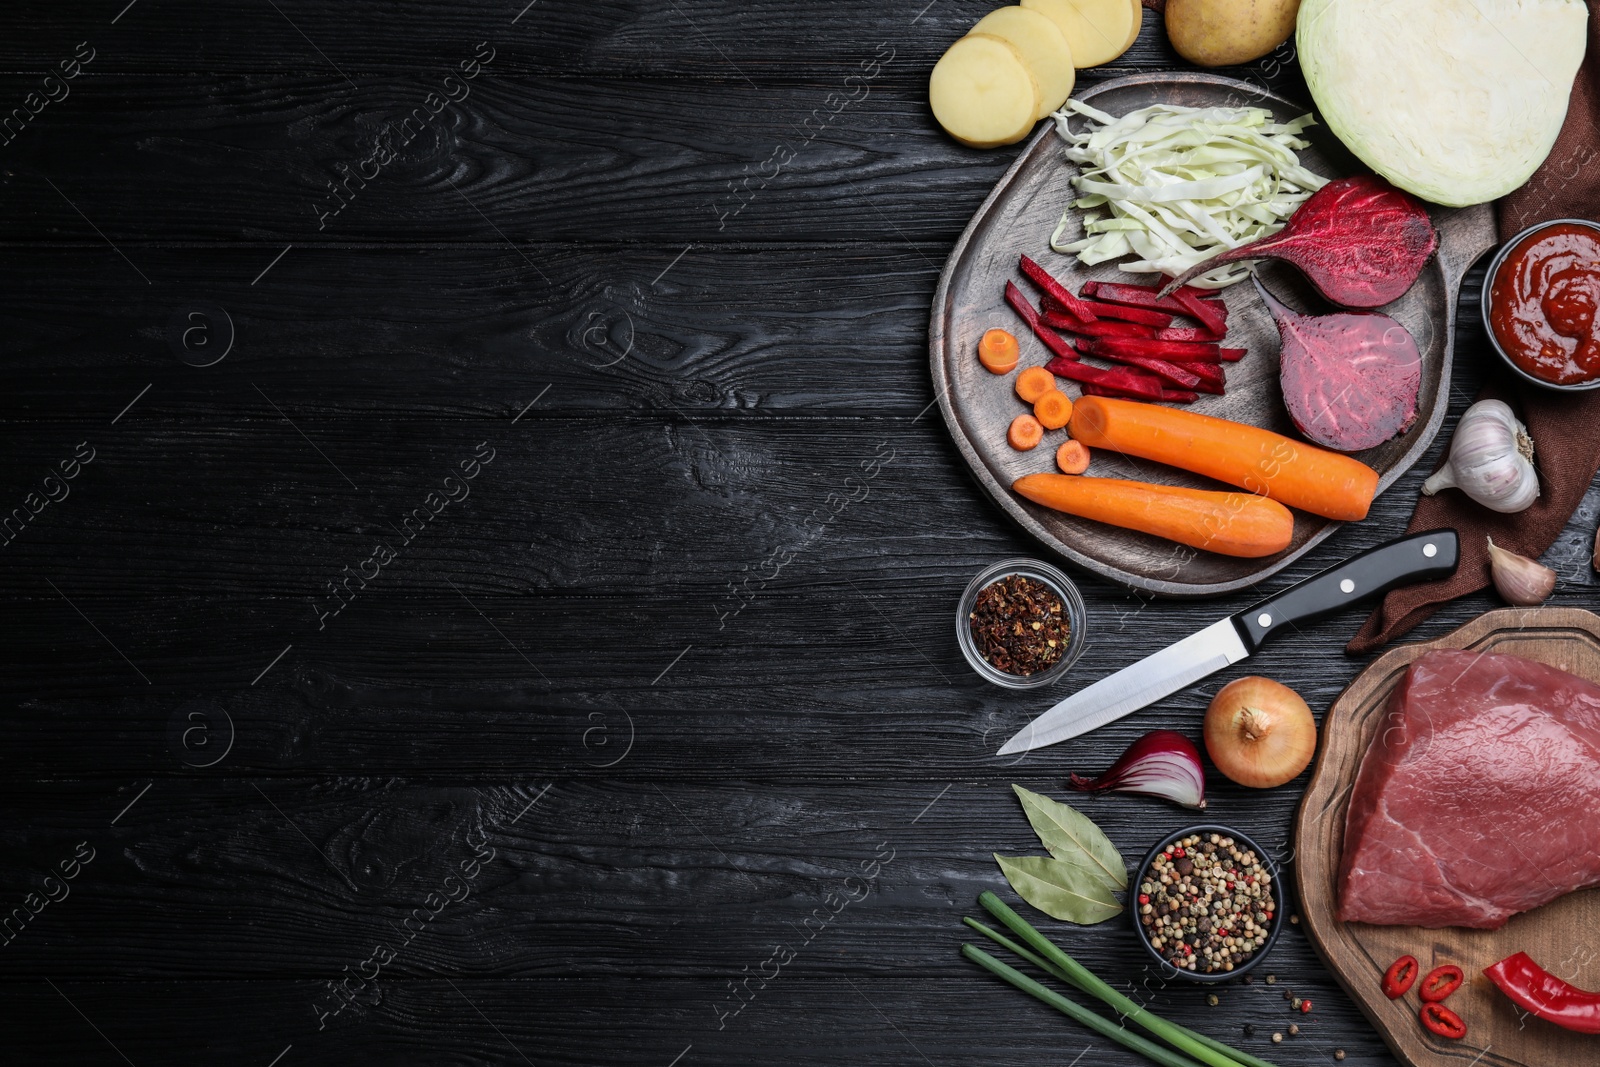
<point>1206,904</point>
<point>1019,625</point>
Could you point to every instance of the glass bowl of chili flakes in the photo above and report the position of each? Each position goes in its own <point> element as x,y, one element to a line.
<point>1021,623</point>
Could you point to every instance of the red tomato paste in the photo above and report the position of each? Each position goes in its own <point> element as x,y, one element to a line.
<point>1542,303</point>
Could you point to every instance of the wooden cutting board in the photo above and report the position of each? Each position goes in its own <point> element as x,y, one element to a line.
<point>1563,936</point>
<point>1020,215</point>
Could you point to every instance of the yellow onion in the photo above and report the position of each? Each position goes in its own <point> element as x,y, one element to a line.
<point>1259,733</point>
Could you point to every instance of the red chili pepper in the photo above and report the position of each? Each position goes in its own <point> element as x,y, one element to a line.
<point>1545,995</point>
<point>1398,978</point>
<point>1442,1021</point>
<point>1440,983</point>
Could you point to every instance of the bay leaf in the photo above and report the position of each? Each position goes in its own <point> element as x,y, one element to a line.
<point>1060,889</point>
<point>1072,837</point>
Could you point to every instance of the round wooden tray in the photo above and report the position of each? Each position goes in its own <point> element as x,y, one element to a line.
<point>1019,216</point>
<point>1564,935</point>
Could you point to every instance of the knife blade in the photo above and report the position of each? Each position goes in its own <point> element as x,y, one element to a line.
<point>1415,558</point>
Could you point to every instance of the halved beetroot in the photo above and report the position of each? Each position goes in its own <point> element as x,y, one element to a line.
<point>1351,379</point>
<point>1360,241</point>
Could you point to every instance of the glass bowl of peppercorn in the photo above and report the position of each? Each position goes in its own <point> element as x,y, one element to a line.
<point>1209,904</point>
<point>1020,623</point>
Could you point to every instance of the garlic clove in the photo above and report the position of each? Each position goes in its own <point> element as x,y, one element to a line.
<point>1520,580</point>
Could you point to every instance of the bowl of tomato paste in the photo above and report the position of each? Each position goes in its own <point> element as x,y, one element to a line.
<point>1540,299</point>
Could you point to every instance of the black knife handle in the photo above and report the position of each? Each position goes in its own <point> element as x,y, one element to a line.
<point>1416,558</point>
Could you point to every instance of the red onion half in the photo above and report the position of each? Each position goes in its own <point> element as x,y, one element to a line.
<point>1162,763</point>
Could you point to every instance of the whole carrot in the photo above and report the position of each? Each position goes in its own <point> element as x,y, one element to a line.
<point>1232,524</point>
<point>1260,461</point>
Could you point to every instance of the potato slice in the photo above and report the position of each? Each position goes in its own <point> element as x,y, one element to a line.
<point>982,93</point>
<point>1097,31</point>
<point>1138,24</point>
<point>1042,48</point>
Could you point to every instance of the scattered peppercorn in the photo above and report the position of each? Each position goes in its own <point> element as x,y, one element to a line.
<point>1211,999</point>
<point>1272,979</point>
<point>1019,626</point>
<point>1210,904</point>
<point>1305,1007</point>
<point>1277,1039</point>
<point>1294,1028</point>
<point>1338,1053</point>
<point>1247,979</point>
<point>1294,919</point>
<point>1249,1030</point>
<point>1296,1002</point>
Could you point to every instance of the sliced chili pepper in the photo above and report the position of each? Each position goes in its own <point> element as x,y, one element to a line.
<point>1442,1021</point>
<point>1545,995</point>
<point>1398,978</point>
<point>1440,983</point>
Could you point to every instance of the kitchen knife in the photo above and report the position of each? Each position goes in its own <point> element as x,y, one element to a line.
<point>1416,558</point>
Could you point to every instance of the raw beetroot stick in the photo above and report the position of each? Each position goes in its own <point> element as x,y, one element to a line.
<point>1173,351</point>
<point>1143,316</point>
<point>1131,382</point>
<point>1052,340</point>
<point>1104,328</point>
<point>1179,376</point>
<point>1205,310</point>
<point>1232,355</point>
<point>1176,396</point>
<point>1188,333</point>
<point>1050,287</point>
<point>1137,296</point>
<point>1197,376</point>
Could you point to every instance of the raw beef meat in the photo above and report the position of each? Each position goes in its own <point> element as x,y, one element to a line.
<point>1480,795</point>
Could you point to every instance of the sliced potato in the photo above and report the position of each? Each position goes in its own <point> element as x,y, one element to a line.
<point>1042,48</point>
<point>1138,24</point>
<point>982,93</point>
<point>1097,31</point>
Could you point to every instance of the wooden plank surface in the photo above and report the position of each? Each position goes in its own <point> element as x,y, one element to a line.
<point>682,364</point>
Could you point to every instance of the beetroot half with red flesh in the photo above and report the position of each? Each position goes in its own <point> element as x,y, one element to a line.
<point>1351,379</point>
<point>1360,241</point>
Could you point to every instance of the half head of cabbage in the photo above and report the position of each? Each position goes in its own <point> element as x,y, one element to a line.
<point>1457,101</point>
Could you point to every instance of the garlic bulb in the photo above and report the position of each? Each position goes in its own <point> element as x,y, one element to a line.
<point>1491,460</point>
<point>1522,581</point>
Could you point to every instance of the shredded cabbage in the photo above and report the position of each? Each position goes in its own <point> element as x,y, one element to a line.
<point>1177,185</point>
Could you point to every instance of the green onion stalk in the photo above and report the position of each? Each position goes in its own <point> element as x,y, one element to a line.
<point>1244,1058</point>
<point>1069,970</point>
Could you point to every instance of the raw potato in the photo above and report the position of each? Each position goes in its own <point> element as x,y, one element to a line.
<point>1042,48</point>
<point>1138,24</point>
<point>982,93</point>
<point>1221,33</point>
<point>1097,31</point>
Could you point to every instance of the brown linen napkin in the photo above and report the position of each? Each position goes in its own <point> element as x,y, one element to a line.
<point>1565,427</point>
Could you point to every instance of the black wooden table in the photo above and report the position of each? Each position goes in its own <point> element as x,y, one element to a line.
<point>479,553</point>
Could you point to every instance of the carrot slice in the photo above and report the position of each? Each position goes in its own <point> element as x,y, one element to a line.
<point>1072,457</point>
<point>1258,461</point>
<point>1053,409</point>
<point>1025,433</point>
<point>1034,383</point>
<point>1232,524</point>
<point>997,351</point>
